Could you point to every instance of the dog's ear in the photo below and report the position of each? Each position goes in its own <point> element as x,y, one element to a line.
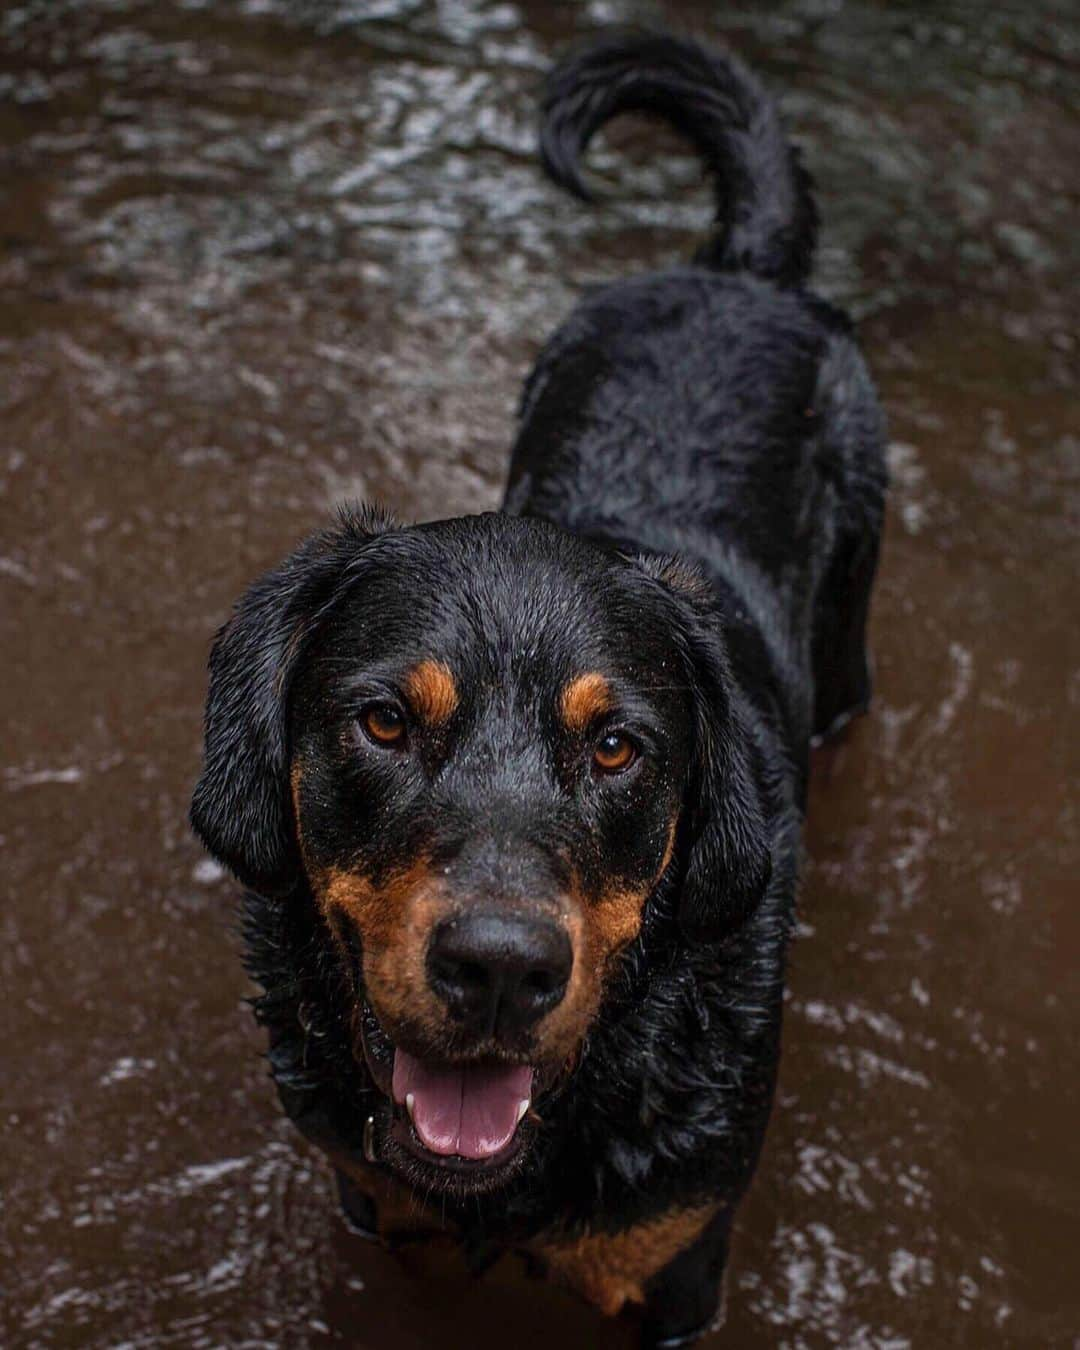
<point>240,808</point>
<point>729,861</point>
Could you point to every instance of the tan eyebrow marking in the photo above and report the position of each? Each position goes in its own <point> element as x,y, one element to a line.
<point>584,698</point>
<point>431,690</point>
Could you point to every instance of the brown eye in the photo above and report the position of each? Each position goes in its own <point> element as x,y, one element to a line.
<point>614,753</point>
<point>383,724</point>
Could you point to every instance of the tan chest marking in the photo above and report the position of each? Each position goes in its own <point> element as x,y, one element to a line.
<point>612,1269</point>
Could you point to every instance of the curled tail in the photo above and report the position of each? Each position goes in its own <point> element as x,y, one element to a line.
<point>766,221</point>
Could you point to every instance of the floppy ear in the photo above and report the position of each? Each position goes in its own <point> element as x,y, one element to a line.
<point>240,808</point>
<point>730,860</point>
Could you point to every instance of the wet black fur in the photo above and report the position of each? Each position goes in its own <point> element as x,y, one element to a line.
<point>718,414</point>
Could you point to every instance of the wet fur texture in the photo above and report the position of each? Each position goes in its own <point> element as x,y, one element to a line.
<point>713,431</point>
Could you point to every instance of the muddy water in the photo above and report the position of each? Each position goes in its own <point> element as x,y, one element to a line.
<point>258,256</point>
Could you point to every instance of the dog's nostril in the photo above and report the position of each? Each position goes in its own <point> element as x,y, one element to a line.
<point>541,982</point>
<point>472,974</point>
<point>497,972</point>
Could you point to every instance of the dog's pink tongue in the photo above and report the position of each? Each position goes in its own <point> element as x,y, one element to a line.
<point>471,1110</point>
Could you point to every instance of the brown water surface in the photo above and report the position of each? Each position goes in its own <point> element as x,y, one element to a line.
<point>256,256</point>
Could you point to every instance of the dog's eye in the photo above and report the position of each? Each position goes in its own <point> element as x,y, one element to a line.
<point>614,753</point>
<point>383,724</point>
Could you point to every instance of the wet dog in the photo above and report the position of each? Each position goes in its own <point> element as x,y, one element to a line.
<point>517,797</point>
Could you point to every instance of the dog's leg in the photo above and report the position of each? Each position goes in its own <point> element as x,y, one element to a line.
<point>842,682</point>
<point>682,1301</point>
<point>853,458</point>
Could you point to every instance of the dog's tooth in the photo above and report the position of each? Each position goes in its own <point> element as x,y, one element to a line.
<point>523,1106</point>
<point>369,1139</point>
<point>410,1102</point>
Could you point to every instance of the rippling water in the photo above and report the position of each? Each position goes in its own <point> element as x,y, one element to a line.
<point>258,256</point>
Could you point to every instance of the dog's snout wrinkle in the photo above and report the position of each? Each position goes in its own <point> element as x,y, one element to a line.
<point>512,866</point>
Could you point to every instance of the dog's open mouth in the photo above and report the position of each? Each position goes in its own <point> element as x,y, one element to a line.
<point>468,1111</point>
<point>462,1121</point>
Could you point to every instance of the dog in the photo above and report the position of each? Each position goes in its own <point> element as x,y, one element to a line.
<point>516,798</point>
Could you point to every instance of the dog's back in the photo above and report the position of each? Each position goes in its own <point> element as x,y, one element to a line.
<point>717,410</point>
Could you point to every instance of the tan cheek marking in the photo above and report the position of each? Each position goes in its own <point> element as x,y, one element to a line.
<point>395,920</point>
<point>351,892</point>
<point>431,690</point>
<point>584,699</point>
<point>618,919</point>
<point>614,918</point>
<point>612,1269</point>
<point>619,912</point>
<point>599,928</point>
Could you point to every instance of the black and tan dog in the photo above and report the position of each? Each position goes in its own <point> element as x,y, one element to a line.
<point>517,796</point>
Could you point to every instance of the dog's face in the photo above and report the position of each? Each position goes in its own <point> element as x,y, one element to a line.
<point>487,746</point>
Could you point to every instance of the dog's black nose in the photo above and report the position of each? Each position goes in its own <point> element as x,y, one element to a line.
<point>499,973</point>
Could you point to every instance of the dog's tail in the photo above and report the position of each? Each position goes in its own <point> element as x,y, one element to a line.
<point>766,221</point>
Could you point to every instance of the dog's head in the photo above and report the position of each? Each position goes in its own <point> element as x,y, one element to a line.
<point>480,746</point>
